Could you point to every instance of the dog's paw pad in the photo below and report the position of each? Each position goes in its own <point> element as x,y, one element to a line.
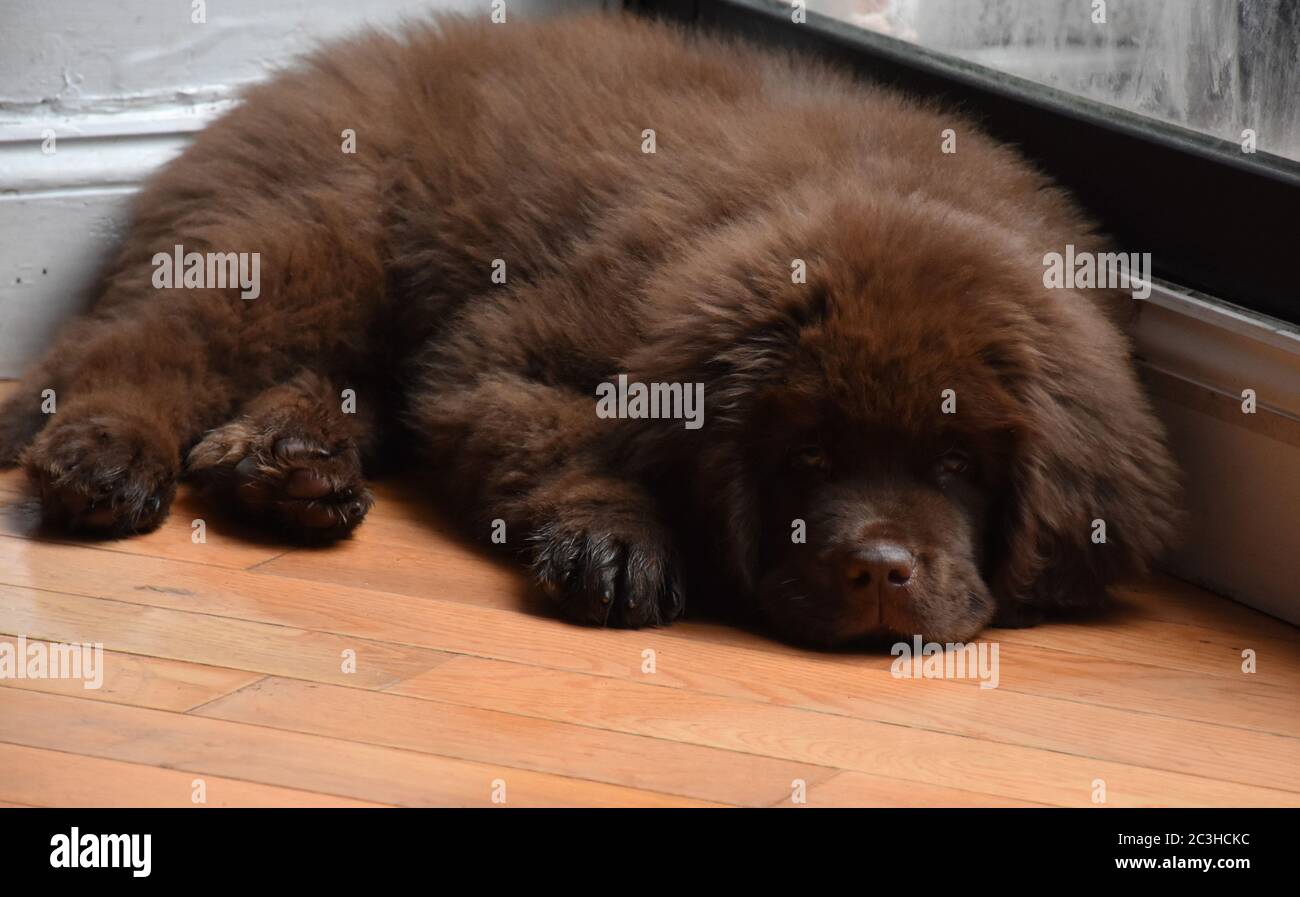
<point>298,482</point>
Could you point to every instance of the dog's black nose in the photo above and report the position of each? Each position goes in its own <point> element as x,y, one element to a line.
<point>880,566</point>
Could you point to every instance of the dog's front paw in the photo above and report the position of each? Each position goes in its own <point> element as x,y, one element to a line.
<point>624,576</point>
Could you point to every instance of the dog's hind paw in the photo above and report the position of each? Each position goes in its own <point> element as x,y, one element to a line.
<point>301,482</point>
<point>102,474</point>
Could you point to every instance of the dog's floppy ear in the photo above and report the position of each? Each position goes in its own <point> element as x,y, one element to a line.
<point>1094,493</point>
<point>736,340</point>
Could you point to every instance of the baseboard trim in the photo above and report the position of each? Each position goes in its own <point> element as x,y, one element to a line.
<point>1241,470</point>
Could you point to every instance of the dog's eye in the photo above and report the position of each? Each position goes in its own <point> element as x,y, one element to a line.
<point>809,457</point>
<point>954,464</point>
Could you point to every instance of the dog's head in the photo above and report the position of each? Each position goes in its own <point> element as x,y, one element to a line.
<point>918,436</point>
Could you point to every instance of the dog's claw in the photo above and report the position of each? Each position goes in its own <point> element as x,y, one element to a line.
<point>608,580</point>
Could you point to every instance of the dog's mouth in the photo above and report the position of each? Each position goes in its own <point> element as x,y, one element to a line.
<point>812,614</point>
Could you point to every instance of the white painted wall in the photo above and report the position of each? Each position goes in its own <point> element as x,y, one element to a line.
<point>121,84</point>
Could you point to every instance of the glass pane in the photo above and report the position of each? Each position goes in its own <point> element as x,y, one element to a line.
<point>1222,67</point>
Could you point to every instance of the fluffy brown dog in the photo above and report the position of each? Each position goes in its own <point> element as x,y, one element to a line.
<point>902,430</point>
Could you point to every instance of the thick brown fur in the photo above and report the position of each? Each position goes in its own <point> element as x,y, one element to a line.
<point>524,143</point>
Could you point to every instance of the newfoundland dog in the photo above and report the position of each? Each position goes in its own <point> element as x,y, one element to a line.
<point>667,315</point>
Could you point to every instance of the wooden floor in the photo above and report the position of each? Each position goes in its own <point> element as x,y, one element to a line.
<point>224,676</point>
